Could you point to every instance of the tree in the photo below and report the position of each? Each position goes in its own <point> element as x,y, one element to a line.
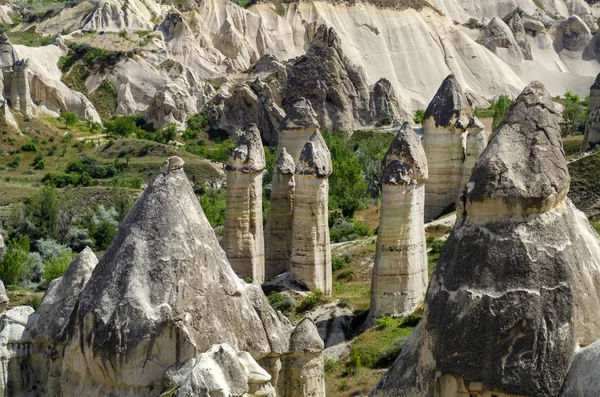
<point>43,211</point>
<point>69,118</point>
<point>56,266</point>
<point>575,112</point>
<point>419,116</point>
<point>121,127</point>
<point>11,267</point>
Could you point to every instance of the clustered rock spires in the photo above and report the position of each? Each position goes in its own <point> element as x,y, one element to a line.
<point>243,239</point>
<point>198,328</point>
<point>14,81</point>
<point>399,278</point>
<point>453,140</point>
<point>515,291</point>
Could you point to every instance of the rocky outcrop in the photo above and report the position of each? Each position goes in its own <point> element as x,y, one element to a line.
<point>243,239</point>
<point>515,290</point>
<point>13,352</point>
<point>383,103</point>
<point>583,379</point>
<point>304,375</point>
<point>400,271</point>
<point>3,298</point>
<point>7,54</point>
<point>48,325</point>
<point>497,37</point>
<point>311,250</point>
<point>572,35</point>
<point>592,125</point>
<point>299,124</point>
<point>278,239</point>
<point>517,27</point>
<point>241,108</point>
<point>453,139</point>
<point>170,104</point>
<point>20,97</point>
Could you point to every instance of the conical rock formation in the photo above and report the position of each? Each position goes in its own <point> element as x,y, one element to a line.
<point>453,140</point>
<point>400,271</point>
<point>164,269</point>
<point>311,249</point>
<point>278,239</point>
<point>516,287</point>
<point>243,239</point>
<point>592,126</point>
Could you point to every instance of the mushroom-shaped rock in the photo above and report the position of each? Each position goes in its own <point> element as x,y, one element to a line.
<point>311,249</point>
<point>400,271</point>
<point>166,270</point>
<point>52,317</point>
<point>304,375</point>
<point>243,239</point>
<point>297,127</point>
<point>278,239</point>
<point>515,290</point>
<point>573,35</point>
<point>453,140</point>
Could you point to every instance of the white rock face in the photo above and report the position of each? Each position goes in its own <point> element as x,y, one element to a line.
<point>3,298</point>
<point>13,348</point>
<point>592,126</point>
<point>278,239</point>
<point>400,271</point>
<point>171,104</point>
<point>243,239</point>
<point>453,140</point>
<point>311,249</point>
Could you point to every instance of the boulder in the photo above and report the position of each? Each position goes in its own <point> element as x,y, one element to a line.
<point>311,250</point>
<point>515,290</point>
<point>533,26</point>
<point>243,239</point>
<point>499,39</point>
<point>592,125</point>
<point>400,271</point>
<point>170,104</point>
<point>453,140</point>
<point>278,239</point>
<point>583,379</point>
<point>572,35</point>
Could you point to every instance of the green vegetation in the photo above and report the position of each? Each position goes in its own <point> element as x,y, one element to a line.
<point>434,245</point>
<point>497,110</point>
<point>69,118</point>
<point>585,189</point>
<point>311,301</point>
<point>572,145</point>
<point>474,23</point>
<point>104,99</point>
<point>574,114</point>
<point>419,116</point>
<point>282,301</point>
<point>56,266</point>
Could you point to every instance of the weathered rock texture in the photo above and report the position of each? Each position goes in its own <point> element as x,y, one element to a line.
<point>453,140</point>
<point>516,287</point>
<point>592,125</point>
<point>583,379</point>
<point>171,104</point>
<point>299,124</point>
<point>400,276</point>
<point>3,297</point>
<point>311,249</point>
<point>498,36</point>
<point>518,29</point>
<point>15,79</point>
<point>573,35</point>
<point>278,239</point>
<point>243,239</point>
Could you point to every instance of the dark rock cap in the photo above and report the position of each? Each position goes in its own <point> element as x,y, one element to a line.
<point>300,117</point>
<point>523,166</point>
<point>285,163</point>
<point>315,158</point>
<point>448,105</point>
<point>405,161</point>
<point>249,154</point>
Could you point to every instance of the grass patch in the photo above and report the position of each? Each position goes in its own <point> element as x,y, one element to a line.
<point>572,145</point>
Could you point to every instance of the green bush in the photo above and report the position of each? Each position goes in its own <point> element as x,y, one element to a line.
<point>29,147</point>
<point>338,263</point>
<point>384,322</point>
<point>348,230</point>
<point>419,116</point>
<point>345,276</point>
<point>282,302</point>
<point>14,163</point>
<point>387,120</point>
<point>34,301</point>
<point>13,261</point>
<point>500,108</point>
<point>435,244</point>
<point>56,266</point>
<point>311,301</point>
<point>69,118</point>
<point>39,163</point>
<point>213,205</point>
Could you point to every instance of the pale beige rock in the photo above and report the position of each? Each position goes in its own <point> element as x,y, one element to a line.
<point>20,97</point>
<point>311,250</point>
<point>592,126</point>
<point>400,271</point>
<point>304,376</point>
<point>299,124</point>
<point>3,297</point>
<point>171,104</point>
<point>278,239</point>
<point>453,140</point>
<point>243,239</point>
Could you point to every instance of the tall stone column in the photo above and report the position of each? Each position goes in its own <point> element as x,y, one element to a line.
<point>297,127</point>
<point>278,239</point>
<point>447,142</point>
<point>311,249</point>
<point>592,125</point>
<point>400,272</point>
<point>20,95</point>
<point>243,239</point>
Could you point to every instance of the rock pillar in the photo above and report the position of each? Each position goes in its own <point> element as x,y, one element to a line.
<point>450,154</point>
<point>19,89</point>
<point>243,239</point>
<point>297,127</point>
<point>592,125</point>
<point>278,239</point>
<point>400,272</point>
<point>311,250</point>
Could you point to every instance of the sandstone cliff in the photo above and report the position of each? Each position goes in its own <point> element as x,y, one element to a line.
<point>311,250</point>
<point>515,290</point>
<point>243,239</point>
<point>399,278</point>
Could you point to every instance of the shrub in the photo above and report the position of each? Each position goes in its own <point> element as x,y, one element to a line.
<point>338,263</point>
<point>34,301</point>
<point>14,163</point>
<point>213,205</point>
<point>384,322</point>
<point>330,365</point>
<point>435,244</point>
<point>43,210</point>
<point>281,301</point>
<point>311,301</point>
<point>123,33</point>
<point>345,276</point>
<point>49,248</point>
<point>387,120</point>
<point>39,163</point>
<point>347,230</point>
<point>69,118</point>
<point>11,267</point>
<point>77,239</point>
<point>419,116</point>
<point>56,266</point>
<point>500,108</point>
<point>29,147</point>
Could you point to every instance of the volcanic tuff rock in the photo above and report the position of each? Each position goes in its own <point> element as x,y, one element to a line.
<point>400,271</point>
<point>278,239</point>
<point>311,249</point>
<point>383,102</point>
<point>171,104</point>
<point>592,126</point>
<point>518,29</point>
<point>498,36</point>
<point>3,298</point>
<point>573,35</point>
<point>243,239</point>
<point>299,124</point>
<point>516,286</point>
<point>583,379</point>
<point>453,139</point>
